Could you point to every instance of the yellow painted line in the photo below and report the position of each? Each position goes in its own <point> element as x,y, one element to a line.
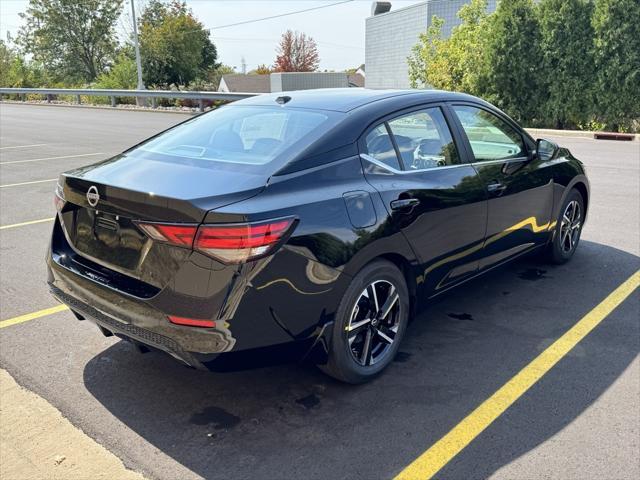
<point>33,316</point>
<point>23,146</point>
<point>27,183</point>
<point>441,452</point>
<point>50,158</point>
<point>23,224</point>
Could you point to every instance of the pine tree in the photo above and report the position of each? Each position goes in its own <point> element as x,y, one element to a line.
<point>514,57</point>
<point>616,25</point>
<point>567,63</point>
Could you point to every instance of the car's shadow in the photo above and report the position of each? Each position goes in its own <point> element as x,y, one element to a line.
<point>291,421</point>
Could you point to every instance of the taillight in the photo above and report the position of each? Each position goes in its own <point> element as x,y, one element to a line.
<point>240,243</point>
<point>230,243</point>
<point>181,235</point>
<point>191,322</point>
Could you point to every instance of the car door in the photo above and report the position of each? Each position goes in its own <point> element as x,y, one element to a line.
<point>519,185</point>
<point>432,195</point>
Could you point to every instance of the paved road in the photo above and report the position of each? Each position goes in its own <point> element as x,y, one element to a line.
<point>582,420</point>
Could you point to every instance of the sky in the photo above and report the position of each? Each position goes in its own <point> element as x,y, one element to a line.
<point>338,29</point>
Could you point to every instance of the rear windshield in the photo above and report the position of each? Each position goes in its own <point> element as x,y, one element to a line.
<point>249,135</point>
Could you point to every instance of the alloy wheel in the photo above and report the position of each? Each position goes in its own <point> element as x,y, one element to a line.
<point>570,226</point>
<point>374,321</point>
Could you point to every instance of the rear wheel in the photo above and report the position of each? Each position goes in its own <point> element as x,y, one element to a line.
<point>568,229</point>
<point>370,323</point>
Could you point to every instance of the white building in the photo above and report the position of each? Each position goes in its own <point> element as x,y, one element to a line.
<point>281,82</point>
<point>391,34</point>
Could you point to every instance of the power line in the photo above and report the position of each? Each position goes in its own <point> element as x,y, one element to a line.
<point>210,29</point>
<point>253,39</point>
<point>279,15</point>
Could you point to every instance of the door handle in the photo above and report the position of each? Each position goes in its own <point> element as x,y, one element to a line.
<point>496,187</point>
<point>404,203</point>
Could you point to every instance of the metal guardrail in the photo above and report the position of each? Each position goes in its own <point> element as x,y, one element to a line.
<point>48,93</point>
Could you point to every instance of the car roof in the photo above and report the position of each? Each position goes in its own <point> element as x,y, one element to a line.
<point>347,99</point>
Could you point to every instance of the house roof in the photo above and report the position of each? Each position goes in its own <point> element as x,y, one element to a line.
<point>355,80</point>
<point>238,82</point>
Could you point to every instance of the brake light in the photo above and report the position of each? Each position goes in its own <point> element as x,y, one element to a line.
<point>240,243</point>
<point>181,235</point>
<point>230,243</point>
<point>191,322</point>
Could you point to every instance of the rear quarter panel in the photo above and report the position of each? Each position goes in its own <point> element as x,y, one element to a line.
<point>300,287</point>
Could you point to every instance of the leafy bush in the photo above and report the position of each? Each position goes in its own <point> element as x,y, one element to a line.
<point>122,75</point>
<point>536,61</point>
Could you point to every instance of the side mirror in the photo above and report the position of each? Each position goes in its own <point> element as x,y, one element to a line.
<point>545,149</point>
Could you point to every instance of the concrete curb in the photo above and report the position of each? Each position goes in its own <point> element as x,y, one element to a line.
<point>541,132</point>
<point>193,111</point>
<point>37,442</point>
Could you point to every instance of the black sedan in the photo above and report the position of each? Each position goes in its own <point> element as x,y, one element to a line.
<point>313,223</point>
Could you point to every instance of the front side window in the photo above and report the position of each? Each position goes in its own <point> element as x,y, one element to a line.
<point>239,135</point>
<point>424,140</point>
<point>491,138</point>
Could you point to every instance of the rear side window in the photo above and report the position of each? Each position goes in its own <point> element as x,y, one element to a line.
<point>380,147</point>
<point>491,138</point>
<point>424,140</point>
<point>241,135</point>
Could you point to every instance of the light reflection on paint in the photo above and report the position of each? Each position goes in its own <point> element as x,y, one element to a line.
<point>528,222</point>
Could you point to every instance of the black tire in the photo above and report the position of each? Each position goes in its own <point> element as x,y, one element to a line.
<point>346,362</point>
<point>564,244</point>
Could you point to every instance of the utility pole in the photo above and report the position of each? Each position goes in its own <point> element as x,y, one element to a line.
<point>135,41</point>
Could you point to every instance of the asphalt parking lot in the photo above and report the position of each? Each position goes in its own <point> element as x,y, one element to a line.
<point>580,420</point>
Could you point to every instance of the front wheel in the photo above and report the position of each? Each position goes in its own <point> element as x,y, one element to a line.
<point>370,323</point>
<point>568,229</point>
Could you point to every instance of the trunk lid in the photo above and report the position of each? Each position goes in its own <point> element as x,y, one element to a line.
<point>154,189</point>
<point>103,228</point>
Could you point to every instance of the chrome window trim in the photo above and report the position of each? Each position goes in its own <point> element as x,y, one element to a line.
<point>479,163</point>
<point>380,164</point>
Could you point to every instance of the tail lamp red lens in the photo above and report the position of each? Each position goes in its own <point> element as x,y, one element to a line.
<point>191,322</point>
<point>230,243</point>
<point>181,235</point>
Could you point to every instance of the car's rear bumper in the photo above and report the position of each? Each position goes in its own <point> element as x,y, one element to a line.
<point>265,313</point>
<point>315,348</point>
<point>111,326</point>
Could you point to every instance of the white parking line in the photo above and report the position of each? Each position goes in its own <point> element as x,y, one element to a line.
<point>52,158</point>
<point>27,183</point>
<point>23,146</point>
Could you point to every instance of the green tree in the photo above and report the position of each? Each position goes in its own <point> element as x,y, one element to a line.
<point>513,80</point>
<point>122,75</point>
<point>567,61</point>
<point>6,60</point>
<point>458,62</point>
<point>16,71</point>
<point>469,46</point>
<point>175,47</point>
<point>429,64</point>
<point>74,41</point>
<point>616,26</point>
